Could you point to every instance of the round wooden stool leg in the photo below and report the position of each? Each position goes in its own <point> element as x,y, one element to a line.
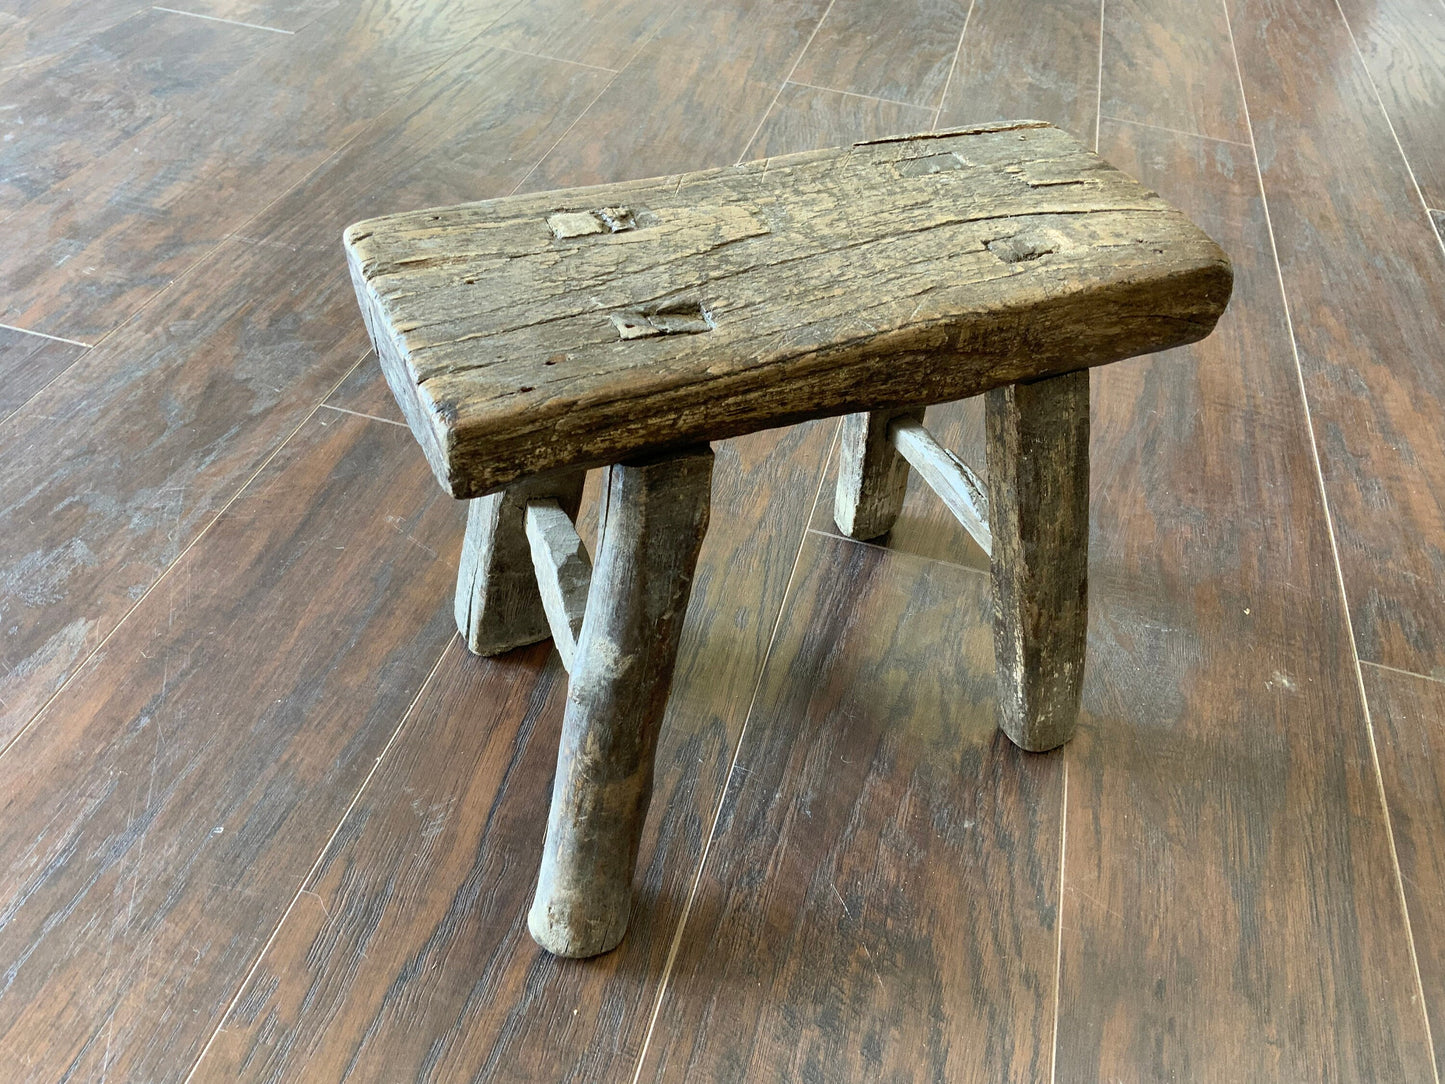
<point>655,518</point>
<point>872,475</point>
<point>1038,496</point>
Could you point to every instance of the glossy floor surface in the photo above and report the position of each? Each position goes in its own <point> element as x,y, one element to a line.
<point>263,818</point>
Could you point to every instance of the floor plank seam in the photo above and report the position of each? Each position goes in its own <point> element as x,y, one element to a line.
<point>905,554</point>
<point>595,99</point>
<point>1174,131</point>
<point>544,56</point>
<point>1335,555</point>
<point>786,80</point>
<point>1099,97</point>
<point>200,535</point>
<point>1380,101</point>
<point>320,856</point>
<point>218,19</point>
<point>953,66</point>
<point>1406,673</point>
<point>678,933</point>
<point>1059,924</point>
<point>852,94</point>
<point>44,335</point>
<point>359,414</point>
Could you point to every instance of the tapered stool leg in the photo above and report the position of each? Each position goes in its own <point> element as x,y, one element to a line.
<point>656,514</point>
<point>497,604</point>
<point>1038,494</point>
<point>872,475</point>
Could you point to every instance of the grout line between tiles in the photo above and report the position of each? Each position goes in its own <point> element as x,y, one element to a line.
<point>1059,924</point>
<point>320,857</point>
<point>43,335</point>
<point>855,94</point>
<point>1335,555</point>
<point>1175,131</point>
<point>1406,673</point>
<point>218,19</point>
<point>788,79</point>
<point>359,414</point>
<point>677,936</point>
<point>1099,97</point>
<point>901,553</point>
<point>544,56</point>
<point>953,67</point>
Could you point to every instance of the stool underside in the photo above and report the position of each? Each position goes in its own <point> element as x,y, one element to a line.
<point>577,328</point>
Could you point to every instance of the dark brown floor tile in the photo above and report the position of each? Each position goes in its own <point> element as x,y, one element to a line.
<point>691,98</point>
<point>902,50</point>
<point>1363,281</point>
<point>27,364</point>
<point>160,816</point>
<point>1034,61</point>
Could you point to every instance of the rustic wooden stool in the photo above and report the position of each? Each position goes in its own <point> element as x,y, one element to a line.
<point>530,338</point>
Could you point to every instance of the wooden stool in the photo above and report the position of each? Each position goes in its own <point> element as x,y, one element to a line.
<point>530,338</point>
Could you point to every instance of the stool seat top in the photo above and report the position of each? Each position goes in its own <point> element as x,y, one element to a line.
<point>581,327</point>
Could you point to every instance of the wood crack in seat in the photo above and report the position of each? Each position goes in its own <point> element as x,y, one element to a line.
<point>624,326</point>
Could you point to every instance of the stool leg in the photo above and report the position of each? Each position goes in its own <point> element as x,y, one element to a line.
<point>1038,495</point>
<point>872,475</point>
<point>656,516</point>
<point>497,605</point>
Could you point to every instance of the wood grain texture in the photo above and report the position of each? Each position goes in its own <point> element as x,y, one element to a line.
<point>653,525</point>
<point>84,257</point>
<point>27,364</point>
<point>692,97</point>
<point>564,573</point>
<point>1221,789</point>
<point>1403,46</point>
<point>604,33</point>
<point>881,275</point>
<point>901,51</point>
<point>872,473</point>
<point>957,486</point>
<point>1168,63</point>
<point>446,979</point>
<point>292,15</point>
<point>38,32</point>
<point>183,404</point>
<point>1408,712</point>
<point>879,901</point>
<point>1370,353</point>
<point>1028,60</point>
<point>159,817</point>
<point>1038,492</point>
<point>62,116</point>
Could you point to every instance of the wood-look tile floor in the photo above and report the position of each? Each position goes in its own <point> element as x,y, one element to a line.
<point>262,818</point>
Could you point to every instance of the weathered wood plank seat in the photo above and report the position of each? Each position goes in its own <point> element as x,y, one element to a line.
<point>530,338</point>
